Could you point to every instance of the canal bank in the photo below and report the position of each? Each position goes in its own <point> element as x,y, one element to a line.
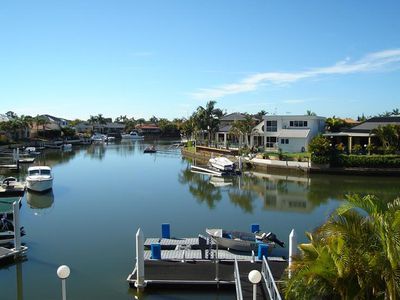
<point>203,154</point>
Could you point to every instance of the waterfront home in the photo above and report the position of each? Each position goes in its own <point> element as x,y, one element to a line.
<point>222,137</point>
<point>107,128</point>
<point>361,134</point>
<point>290,133</point>
<point>148,129</point>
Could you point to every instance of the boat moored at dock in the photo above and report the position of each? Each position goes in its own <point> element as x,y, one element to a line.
<point>39,179</point>
<point>132,135</point>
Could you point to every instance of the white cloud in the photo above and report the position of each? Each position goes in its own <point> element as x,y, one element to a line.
<point>377,61</point>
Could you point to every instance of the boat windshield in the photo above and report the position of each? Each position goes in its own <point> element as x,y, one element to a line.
<point>34,172</point>
<point>45,172</point>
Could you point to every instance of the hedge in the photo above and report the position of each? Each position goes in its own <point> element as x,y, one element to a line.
<point>369,161</point>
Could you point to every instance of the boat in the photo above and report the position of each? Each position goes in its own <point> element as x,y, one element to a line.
<point>97,137</point>
<point>39,179</point>
<point>132,135</point>
<point>31,151</point>
<point>110,139</point>
<point>151,149</point>
<point>221,163</point>
<point>11,187</point>
<point>7,230</point>
<point>243,241</point>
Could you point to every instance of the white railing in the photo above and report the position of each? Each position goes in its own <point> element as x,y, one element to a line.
<point>269,281</point>
<point>238,285</point>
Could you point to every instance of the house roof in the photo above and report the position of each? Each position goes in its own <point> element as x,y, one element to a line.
<point>225,128</point>
<point>233,117</point>
<point>54,119</point>
<point>352,134</point>
<point>375,122</point>
<point>294,133</point>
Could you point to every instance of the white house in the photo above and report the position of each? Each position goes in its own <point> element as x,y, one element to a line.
<point>289,133</point>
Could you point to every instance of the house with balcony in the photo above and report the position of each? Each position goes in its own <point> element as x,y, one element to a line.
<point>290,133</point>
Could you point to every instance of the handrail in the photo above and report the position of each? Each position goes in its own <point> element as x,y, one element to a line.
<point>238,285</point>
<point>269,281</point>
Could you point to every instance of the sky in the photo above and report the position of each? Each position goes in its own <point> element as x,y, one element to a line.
<point>77,58</point>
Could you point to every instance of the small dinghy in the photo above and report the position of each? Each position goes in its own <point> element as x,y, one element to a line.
<point>243,241</point>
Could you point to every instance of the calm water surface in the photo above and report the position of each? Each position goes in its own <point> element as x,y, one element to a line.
<point>103,193</point>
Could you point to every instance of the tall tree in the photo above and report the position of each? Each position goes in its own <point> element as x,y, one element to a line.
<point>208,118</point>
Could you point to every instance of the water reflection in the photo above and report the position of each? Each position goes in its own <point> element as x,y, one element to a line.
<point>200,187</point>
<point>40,203</point>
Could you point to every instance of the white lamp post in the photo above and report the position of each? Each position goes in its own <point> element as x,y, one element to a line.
<point>63,273</point>
<point>255,278</point>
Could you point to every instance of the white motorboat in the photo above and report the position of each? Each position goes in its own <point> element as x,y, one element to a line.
<point>97,137</point>
<point>222,163</point>
<point>243,241</point>
<point>132,135</point>
<point>67,147</point>
<point>39,179</point>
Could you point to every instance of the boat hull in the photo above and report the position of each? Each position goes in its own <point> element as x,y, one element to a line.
<point>39,185</point>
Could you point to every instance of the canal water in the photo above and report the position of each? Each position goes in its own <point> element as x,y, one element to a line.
<point>103,193</point>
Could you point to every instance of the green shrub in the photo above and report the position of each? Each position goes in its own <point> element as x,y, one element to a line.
<point>320,149</point>
<point>369,161</point>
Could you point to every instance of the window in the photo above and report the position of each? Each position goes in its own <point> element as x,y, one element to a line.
<point>272,126</point>
<point>284,141</point>
<point>298,123</point>
<point>271,141</point>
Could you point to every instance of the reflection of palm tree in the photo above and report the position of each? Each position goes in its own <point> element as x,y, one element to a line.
<point>243,198</point>
<point>200,188</point>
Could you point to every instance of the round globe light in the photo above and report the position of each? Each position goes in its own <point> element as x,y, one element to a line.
<point>63,272</point>
<point>255,276</point>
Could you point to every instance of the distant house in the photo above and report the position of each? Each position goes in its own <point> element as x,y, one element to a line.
<point>360,134</point>
<point>108,128</point>
<point>148,129</point>
<point>4,118</point>
<point>290,133</point>
<point>60,122</point>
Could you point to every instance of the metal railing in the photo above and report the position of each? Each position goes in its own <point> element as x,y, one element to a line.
<point>238,285</point>
<point>269,281</point>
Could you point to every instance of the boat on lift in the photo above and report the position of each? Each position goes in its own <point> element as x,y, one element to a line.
<point>222,164</point>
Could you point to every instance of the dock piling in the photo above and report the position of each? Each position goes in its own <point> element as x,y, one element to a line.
<point>165,231</point>
<point>140,282</point>
<point>17,229</point>
<point>292,248</point>
<point>255,227</point>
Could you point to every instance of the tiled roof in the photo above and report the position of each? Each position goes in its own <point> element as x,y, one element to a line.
<point>233,117</point>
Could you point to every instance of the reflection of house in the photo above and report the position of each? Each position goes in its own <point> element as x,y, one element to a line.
<point>290,133</point>
<point>361,134</point>
<point>148,129</point>
<point>286,193</point>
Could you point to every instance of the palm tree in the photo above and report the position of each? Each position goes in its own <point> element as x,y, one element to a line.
<point>334,124</point>
<point>355,254</point>
<point>40,121</point>
<point>389,135</point>
<point>208,118</point>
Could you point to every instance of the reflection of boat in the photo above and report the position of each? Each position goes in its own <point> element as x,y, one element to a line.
<point>132,135</point>
<point>39,179</point>
<point>40,201</point>
<point>10,187</point>
<point>67,147</point>
<point>222,163</point>
<point>243,241</point>
<point>220,181</point>
<point>7,230</point>
<point>151,149</point>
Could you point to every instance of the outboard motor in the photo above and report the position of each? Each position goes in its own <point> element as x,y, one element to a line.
<point>272,237</point>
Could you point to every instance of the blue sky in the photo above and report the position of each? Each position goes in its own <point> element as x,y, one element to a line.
<point>78,58</point>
